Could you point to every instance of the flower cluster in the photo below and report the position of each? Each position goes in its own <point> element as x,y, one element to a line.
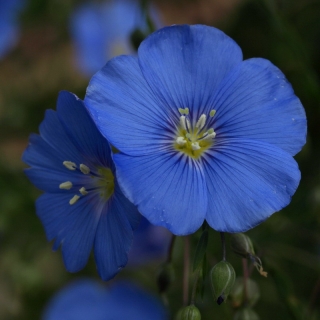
<point>202,135</point>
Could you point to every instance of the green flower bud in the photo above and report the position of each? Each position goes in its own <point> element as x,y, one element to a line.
<point>222,277</point>
<point>238,295</point>
<point>241,244</point>
<point>189,313</point>
<point>246,314</point>
<point>165,277</point>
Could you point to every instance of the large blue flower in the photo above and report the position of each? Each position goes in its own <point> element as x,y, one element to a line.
<point>83,206</point>
<point>86,299</point>
<point>203,134</point>
<point>102,31</point>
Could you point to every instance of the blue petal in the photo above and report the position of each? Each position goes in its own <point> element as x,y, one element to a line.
<point>81,300</point>
<point>73,226</point>
<point>126,111</point>
<point>247,182</point>
<point>82,131</point>
<point>255,101</point>
<point>136,304</point>
<point>168,189</point>
<point>114,237</point>
<point>184,64</point>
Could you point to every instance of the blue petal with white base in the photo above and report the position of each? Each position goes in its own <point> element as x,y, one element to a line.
<point>203,134</point>
<point>83,207</point>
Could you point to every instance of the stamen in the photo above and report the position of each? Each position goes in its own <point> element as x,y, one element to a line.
<point>69,165</point>
<point>66,185</point>
<point>84,169</point>
<point>181,141</point>
<point>212,113</point>
<point>83,191</point>
<point>188,125</point>
<point>183,122</point>
<point>195,146</point>
<point>210,136</point>
<point>201,122</point>
<point>184,111</point>
<point>74,199</point>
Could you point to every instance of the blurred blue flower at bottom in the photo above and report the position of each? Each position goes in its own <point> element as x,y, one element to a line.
<point>87,299</point>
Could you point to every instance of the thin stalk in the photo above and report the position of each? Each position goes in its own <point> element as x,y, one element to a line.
<point>186,270</point>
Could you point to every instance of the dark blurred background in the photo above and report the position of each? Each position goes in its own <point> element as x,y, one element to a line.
<point>43,60</point>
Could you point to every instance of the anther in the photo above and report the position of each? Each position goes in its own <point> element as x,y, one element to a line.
<point>66,185</point>
<point>195,146</point>
<point>69,165</point>
<point>212,113</point>
<point>201,122</point>
<point>84,169</point>
<point>181,141</point>
<point>83,191</point>
<point>183,122</point>
<point>184,111</point>
<point>74,199</point>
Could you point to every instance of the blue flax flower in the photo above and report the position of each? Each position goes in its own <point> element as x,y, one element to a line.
<point>203,134</point>
<point>86,299</point>
<point>83,206</point>
<point>102,31</point>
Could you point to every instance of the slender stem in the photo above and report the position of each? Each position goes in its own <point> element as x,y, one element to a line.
<point>170,250</point>
<point>194,289</point>
<point>245,279</point>
<point>186,270</point>
<point>223,242</point>
<point>313,298</point>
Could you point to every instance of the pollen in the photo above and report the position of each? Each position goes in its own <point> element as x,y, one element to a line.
<point>74,199</point>
<point>193,138</point>
<point>83,191</point>
<point>66,185</point>
<point>69,165</point>
<point>84,169</point>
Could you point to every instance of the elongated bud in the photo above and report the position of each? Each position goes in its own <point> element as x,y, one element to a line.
<point>246,314</point>
<point>222,277</point>
<point>244,293</point>
<point>242,245</point>
<point>189,313</point>
<point>165,277</point>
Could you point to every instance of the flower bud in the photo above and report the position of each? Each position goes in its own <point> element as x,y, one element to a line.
<point>189,313</point>
<point>239,296</point>
<point>222,277</point>
<point>241,244</point>
<point>246,314</point>
<point>165,277</point>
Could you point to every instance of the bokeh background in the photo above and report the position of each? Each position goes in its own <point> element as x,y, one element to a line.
<point>42,58</point>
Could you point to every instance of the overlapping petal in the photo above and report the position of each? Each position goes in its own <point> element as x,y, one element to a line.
<point>255,101</point>
<point>73,227</point>
<point>169,191</point>
<point>126,111</point>
<point>184,64</point>
<point>247,181</point>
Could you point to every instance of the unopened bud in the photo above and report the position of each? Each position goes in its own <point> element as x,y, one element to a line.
<point>246,314</point>
<point>189,313</point>
<point>222,277</point>
<point>165,277</point>
<point>244,293</point>
<point>241,244</point>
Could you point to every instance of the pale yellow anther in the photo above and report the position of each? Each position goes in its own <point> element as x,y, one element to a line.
<point>83,191</point>
<point>183,122</point>
<point>84,169</point>
<point>181,141</point>
<point>188,125</point>
<point>201,122</point>
<point>184,111</point>
<point>66,185</point>
<point>212,113</point>
<point>210,136</point>
<point>195,146</point>
<point>74,199</point>
<point>69,165</point>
